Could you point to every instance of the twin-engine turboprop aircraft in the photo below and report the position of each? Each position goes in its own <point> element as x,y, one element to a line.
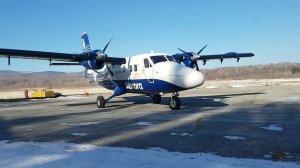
<point>152,74</point>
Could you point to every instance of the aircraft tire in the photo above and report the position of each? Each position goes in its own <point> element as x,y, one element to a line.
<point>156,98</point>
<point>100,102</point>
<point>174,103</point>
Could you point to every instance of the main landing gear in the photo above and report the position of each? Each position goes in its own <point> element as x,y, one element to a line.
<point>156,98</point>
<point>119,90</point>
<point>100,102</point>
<point>174,102</point>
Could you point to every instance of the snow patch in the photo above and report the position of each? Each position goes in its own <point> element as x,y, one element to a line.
<point>231,137</point>
<point>143,123</point>
<point>80,134</point>
<point>61,154</point>
<point>212,87</point>
<point>272,127</point>
<point>183,134</point>
<point>80,124</point>
<point>291,99</point>
<point>238,86</point>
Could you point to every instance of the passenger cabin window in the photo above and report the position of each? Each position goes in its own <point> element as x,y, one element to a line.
<point>147,63</point>
<point>158,58</point>
<point>135,68</point>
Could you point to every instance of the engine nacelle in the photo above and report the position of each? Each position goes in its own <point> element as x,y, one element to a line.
<point>93,64</point>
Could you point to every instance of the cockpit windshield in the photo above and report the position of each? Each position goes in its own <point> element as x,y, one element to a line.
<point>170,58</point>
<point>158,58</point>
<point>162,58</point>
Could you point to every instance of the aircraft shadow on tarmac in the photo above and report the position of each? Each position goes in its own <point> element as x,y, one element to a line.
<point>187,102</point>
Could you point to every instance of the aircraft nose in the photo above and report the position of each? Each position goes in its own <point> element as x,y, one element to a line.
<point>179,75</point>
<point>193,78</point>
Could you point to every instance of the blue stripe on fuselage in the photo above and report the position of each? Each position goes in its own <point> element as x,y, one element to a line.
<point>142,86</point>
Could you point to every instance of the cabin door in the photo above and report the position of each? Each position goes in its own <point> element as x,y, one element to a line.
<point>148,71</point>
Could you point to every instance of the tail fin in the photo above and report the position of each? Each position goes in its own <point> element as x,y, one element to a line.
<point>85,42</point>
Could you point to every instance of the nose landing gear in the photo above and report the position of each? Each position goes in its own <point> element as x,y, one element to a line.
<point>174,102</point>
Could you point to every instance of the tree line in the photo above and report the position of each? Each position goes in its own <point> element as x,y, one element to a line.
<point>47,80</point>
<point>268,71</point>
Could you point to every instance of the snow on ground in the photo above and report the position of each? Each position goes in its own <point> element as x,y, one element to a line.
<point>231,137</point>
<point>238,85</point>
<point>250,83</point>
<point>143,123</point>
<point>80,134</point>
<point>61,154</point>
<point>80,124</point>
<point>212,87</point>
<point>288,99</point>
<point>182,134</point>
<point>272,127</point>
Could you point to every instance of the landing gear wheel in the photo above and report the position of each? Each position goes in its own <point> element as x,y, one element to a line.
<point>100,102</point>
<point>156,98</point>
<point>174,103</point>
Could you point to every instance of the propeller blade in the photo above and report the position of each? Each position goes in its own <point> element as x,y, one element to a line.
<point>197,67</point>
<point>111,73</point>
<point>106,45</point>
<point>201,50</point>
<point>185,52</point>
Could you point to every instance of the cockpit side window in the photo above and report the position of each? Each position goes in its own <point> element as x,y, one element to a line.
<point>147,63</point>
<point>158,58</point>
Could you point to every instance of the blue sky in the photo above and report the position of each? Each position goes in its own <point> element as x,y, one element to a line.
<point>268,28</point>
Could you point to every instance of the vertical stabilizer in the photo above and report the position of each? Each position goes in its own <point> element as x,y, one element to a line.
<point>85,42</point>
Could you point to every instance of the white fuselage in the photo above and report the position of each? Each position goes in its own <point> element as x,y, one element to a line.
<point>148,73</point>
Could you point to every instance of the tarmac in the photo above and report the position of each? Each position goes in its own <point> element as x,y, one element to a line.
<point>261,122</point>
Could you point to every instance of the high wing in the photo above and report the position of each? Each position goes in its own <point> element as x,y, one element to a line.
<point>225,56</point>
<point>90,59</point>
<point>93,59</point>
<point>190,58</point>
<point>41,55</point>
<point>221,57</point>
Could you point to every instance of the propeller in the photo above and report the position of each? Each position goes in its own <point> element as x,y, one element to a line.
<point>101,56</point>
<point>201,49</point>
<point>194,56</point>
<point>104,49</point>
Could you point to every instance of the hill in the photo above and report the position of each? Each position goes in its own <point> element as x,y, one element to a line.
<point>51,79</point>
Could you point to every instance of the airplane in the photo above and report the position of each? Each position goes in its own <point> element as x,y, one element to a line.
<point>152,74</point>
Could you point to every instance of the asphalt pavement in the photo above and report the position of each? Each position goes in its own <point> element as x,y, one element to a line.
<point>247,122</point>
